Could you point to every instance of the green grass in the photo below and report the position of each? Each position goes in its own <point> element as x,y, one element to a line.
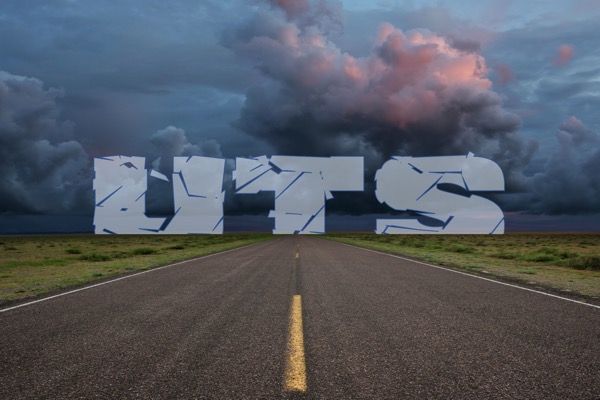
<point>95,257</point>
<point>560,261</point>
<point>143,251</point>
<point>34,265</point>
<point>587,262</point>
<point>31,266</point>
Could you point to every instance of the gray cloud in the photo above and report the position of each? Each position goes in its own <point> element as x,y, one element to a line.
<point>415,93</point>
<point>122,46</point>
<point>569,183</point>
<point>542,93</point>
<point>42,170</point>
<point>173,142</point>
<point>464,44</point>
<point>295,77</point>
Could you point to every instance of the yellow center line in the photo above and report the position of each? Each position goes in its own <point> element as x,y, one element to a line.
<point>295,369</point>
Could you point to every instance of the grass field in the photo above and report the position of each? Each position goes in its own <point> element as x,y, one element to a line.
<point>562,262</point>
<point>35,265</point>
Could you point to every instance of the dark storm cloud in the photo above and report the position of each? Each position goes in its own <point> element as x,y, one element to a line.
<point>128,69</point>
<point>569,183</point>
<point>41,169</point>
<point>464,44</point>
<point>291,77</point>
<point>131,67</point>
<point>416,93</point>
<point>413,93</point>
<point>173,142</point>
<point>552,82</point>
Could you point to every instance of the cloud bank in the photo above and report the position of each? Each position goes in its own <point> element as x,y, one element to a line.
<point>569,182</point>
<point>299,77</point>
<point>42,169</point>
<point>173,142</point>
<point>416,93</point>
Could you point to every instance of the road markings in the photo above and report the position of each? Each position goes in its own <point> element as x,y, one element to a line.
<point>123,277</point>
<point>472,276</point>
<point>295,369</point>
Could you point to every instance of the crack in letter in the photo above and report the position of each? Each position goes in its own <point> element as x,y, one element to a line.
<point>120,186</point>
<point>301,186</point>
<point>438,192</point>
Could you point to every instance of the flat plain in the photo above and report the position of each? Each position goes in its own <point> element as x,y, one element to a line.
<point>565,263</point>
<point>35,265</point>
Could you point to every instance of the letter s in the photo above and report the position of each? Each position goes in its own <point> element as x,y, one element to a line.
<point>437,192</point>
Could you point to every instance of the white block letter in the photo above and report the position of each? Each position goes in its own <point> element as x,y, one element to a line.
<point>120,187</point>
<point>438,191</point>
<point>198,195</point>
<point>301,186</point>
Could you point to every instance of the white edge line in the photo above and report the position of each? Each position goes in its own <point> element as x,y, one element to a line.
<point>471,275</point>
<point>124,277</point>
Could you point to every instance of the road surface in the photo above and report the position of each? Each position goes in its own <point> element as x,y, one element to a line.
<point>302,318</point>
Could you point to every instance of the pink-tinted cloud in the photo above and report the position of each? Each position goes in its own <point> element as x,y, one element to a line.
<point>573,132</point>
<point>408,76</point>
<point>505,74</point>
<point>292,8</point>
<point>415,93</point>
<point>324,15</point>
<point>564,55</point>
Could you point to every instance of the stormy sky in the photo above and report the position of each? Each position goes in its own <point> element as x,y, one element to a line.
<point>517,82</point>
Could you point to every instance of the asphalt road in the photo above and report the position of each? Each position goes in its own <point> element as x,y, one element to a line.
<point>372,327</point>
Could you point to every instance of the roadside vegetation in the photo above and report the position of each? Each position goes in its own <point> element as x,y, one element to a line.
<point>35,265</point>
<point>562,262</point>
